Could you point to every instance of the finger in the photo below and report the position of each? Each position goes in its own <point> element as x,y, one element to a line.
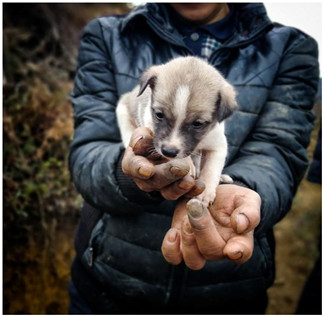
<point>169,172</point>
<point>136,166</point>
<point>246,215</point>
<point>190,252</point>
<point>165,175</point>
<point>144,147</point>
<point>171,247</point>
<point>239,248</point>
<point>208,239</point>
<point>174,169</point>
<point>198,188</point>
<point>142,144</point>
<point>178,214</point>
<point>178,188</point>
<point>139,134</point>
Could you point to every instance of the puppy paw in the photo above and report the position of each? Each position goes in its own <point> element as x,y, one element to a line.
<point>226,179</point>
<point>207,197</point>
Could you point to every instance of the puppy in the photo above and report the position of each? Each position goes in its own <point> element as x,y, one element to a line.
<point>185,107</point>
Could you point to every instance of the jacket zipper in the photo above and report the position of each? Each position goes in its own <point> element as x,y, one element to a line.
<point>90,260</point>
<point>92,248</point>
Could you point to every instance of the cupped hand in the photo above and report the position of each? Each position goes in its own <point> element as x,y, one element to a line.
<point>151,172</point>
<point>224,231</point>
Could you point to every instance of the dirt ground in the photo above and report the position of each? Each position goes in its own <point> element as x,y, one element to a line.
<point>297,248</point>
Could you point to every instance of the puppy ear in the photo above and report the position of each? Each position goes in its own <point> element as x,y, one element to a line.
<point>148,78</point>
<point>226,103</point>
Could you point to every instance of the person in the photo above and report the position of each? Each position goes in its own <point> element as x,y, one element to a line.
<point>139,248</point>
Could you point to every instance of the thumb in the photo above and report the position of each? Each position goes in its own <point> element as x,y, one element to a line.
<point>246,214</point>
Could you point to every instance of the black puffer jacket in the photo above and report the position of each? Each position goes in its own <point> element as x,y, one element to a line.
<point>275,72</point>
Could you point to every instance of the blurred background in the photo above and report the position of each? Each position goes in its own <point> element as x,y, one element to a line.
<point>41,206</point>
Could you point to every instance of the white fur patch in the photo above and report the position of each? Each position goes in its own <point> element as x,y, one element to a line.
<point>181,103</point>
<point>180,112</point>
<point>147,116</point>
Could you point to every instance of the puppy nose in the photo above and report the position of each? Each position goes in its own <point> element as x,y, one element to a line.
<point>169,151</point>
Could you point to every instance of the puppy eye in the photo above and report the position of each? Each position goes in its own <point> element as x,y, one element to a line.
<point>198,124</point>
<point>159,115</point>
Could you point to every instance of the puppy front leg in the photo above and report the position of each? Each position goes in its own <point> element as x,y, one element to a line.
<point>211,173</point>
<point>125,123</point>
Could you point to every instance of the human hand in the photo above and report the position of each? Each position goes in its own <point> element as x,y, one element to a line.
<point>224,231</point>
<point>151,172</point>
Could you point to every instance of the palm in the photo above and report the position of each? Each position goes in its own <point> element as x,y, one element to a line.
<point>223,231</point>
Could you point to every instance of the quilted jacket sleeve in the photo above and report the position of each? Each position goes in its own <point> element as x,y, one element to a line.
<point>96,147</point>
<point>273,159</point>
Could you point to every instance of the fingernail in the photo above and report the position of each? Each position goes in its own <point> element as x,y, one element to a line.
<point>242,223</point>
<point>195,208</point>
<point>139,138</point>
<point>172,235</point>
<point>178,171</point>
<point>236,255</point>
<point>133,144</point>
<point>188,228</point>
<point>146,172</point>
<point>200,186</point>
<point>197,190</point>
<point>184,185</point>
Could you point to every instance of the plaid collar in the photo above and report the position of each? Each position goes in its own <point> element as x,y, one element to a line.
<point>208,46</point>
<point>205,39</point>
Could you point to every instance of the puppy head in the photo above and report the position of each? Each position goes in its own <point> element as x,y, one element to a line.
<point>189,97</point>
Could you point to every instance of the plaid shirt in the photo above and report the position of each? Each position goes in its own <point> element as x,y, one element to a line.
<point>208,45</point>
